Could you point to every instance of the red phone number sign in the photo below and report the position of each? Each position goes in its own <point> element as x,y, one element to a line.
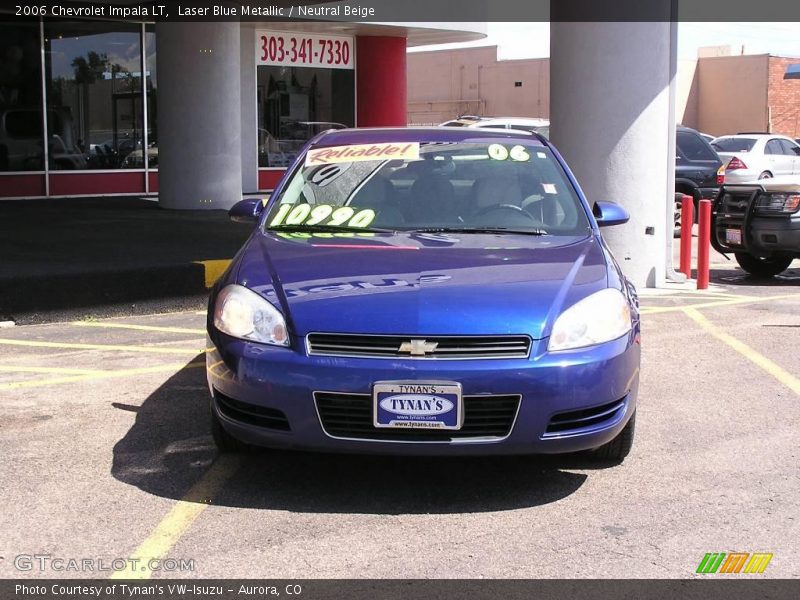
<point>304,50</point>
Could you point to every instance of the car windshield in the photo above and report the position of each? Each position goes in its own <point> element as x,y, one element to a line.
<point>733,144</point>
<point>499,186</point>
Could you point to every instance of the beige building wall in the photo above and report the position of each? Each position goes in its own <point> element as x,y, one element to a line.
<point>717,93</point>
<point>686,93</point>
<point>732,94</point>
<point>443,84</point>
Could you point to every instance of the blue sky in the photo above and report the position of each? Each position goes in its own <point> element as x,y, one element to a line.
<point>532,40</point>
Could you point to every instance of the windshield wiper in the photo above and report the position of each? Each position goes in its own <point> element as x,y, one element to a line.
<point>480,230</point>
<point>331,228</point>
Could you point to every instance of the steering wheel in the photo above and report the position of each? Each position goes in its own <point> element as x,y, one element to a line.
<point>508,208</point>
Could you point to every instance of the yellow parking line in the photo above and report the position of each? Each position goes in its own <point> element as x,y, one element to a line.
<point>77,346</point>
<point>138,327</point>
<point>742,300</point>
<point>180,517</point>
<point>213,269</point>
<point>101,375</point>
<point>22,369</point>
<point>753,356</point>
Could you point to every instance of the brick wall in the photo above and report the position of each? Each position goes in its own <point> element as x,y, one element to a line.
<point>783,98</point>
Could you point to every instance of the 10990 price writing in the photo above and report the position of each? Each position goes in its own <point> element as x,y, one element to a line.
<point>305,50</point>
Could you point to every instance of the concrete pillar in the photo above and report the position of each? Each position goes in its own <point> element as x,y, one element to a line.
<point>381,87</point>
<point>249,116</point>
<point>199,112</point>
<point>613,121</point>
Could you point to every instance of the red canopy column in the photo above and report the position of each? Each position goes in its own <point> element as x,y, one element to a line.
<point>381,88</point>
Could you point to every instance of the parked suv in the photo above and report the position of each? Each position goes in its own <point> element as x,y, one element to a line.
<point>698,169</point>
<point>760,224</point>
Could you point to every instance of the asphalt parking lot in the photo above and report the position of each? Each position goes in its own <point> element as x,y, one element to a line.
<point>106,455</point>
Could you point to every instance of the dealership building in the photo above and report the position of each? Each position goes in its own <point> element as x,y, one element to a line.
<point>195,113</point>
<point>198,113</point>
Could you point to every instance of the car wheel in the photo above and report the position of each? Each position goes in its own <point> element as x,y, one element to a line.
<point>617,449</point>
<point>763,267</point>
<point>224,441</point>
<point>765,175</point>
<point>676,232</point>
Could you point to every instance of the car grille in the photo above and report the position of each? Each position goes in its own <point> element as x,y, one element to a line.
<point>252,414</point>
<point>434,347</point>
<point>735,203</point>
<point>350,416</point>
<point>563,422</point>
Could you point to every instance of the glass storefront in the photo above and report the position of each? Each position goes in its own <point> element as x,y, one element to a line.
<point>99,82</point>
<point>295,104</point>
<point>21,131</point>
<point>94,94</point>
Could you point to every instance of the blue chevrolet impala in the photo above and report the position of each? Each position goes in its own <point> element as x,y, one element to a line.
<point>425,291</point>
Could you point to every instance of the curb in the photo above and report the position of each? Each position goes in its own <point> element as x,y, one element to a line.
<point>96,288</point>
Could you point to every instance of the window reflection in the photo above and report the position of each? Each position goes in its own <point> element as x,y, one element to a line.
<point>135,160</point>
<point>21,147</point>
<point>295,104</point>
<point>94,94</point>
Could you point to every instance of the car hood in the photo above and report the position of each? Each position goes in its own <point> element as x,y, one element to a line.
<point>423,284</point>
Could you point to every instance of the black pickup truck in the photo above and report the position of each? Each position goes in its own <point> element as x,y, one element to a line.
<point>759,223</point>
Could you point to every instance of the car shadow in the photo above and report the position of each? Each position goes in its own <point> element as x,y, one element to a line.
<point>737,277</point>
<point>168,449</point>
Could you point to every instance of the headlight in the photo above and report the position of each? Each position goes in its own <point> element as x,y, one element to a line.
<point>778,203</point>
<point>242,313</point>
<point>602,317</point>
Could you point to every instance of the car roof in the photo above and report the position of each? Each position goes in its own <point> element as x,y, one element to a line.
<point>524,120</point>
<point>754,135</point>
<point>377,135</point>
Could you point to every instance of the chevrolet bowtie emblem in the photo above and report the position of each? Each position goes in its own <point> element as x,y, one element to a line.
<point>418,347</point>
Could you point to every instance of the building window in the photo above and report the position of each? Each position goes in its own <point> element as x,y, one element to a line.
<point>295,104</point>
<point>21,146</point>
<point>94,94</point>
<point>151,81</point>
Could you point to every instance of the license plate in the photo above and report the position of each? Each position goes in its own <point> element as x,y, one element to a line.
<point>417,405</point>
<point>733,236</point>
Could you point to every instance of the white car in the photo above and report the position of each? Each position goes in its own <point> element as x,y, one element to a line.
<point>541,126</point>
<point>752,156</point>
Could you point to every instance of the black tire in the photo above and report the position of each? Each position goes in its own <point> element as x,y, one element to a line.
<point>763,267</point>
<point>676,231</point>
<point>224,441</point>
<point>617,449</point>
<point>765,175</point>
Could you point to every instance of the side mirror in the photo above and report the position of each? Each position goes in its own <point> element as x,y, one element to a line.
<point>247,210</point>
<point>608,213</point>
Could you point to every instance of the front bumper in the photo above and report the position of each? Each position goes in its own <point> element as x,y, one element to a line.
<point>276,386</point>
<point>762,236</point>
<point>774,236</point>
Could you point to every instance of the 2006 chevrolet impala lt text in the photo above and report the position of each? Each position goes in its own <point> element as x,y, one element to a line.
<point>426,291</point>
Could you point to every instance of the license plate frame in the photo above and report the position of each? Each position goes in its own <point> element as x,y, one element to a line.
<point>417,405</point>
<point>733,236</point>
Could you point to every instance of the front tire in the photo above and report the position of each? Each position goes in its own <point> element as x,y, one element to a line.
<point>617,449</point>
<point>763,267</point>
<point>224,441</point>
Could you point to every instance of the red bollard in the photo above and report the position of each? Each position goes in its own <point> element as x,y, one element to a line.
<point>703,243</point>
<point>687,221</point>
